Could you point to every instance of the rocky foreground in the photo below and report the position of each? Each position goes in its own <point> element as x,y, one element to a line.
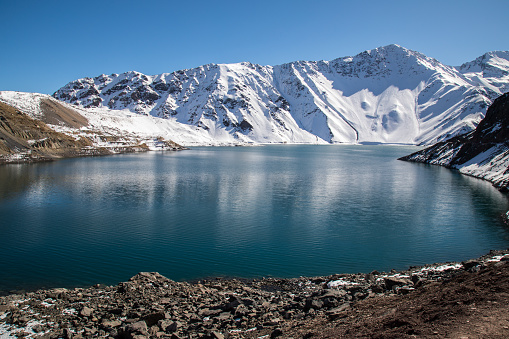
<point>151,305</point>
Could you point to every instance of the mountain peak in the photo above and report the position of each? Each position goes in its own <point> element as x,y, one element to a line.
<point>490,64</point>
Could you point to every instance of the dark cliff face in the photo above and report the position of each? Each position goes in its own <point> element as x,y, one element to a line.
<point>492,130</point>
<point>487,144</point>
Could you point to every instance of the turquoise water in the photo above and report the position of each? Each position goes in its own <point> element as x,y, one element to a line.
<point>281,211</point>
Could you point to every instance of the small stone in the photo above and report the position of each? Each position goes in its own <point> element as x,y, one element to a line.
<point>139,326</point>
<point>139,336</point>
<point>86,311</point>
<point>369,277</point>
<point>216,335</point>
<point>313,304</point>
<point>3,309</point>
<point>377,288</point>
<point>57,293</point>
<point>67,333</point>
<point>153,318</point>
<point>111,323</point>
<point>37,328</point>
<point>224,316</point>
<point>470,264</point>
<point>276,333</point>
<point>90,331</point>
<point>169,326</point>
<point>391,282</point>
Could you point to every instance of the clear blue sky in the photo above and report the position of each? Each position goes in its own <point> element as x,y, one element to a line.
<point>46,44</point>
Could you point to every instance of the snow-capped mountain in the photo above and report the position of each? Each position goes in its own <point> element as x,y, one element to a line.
<point>385,95</point>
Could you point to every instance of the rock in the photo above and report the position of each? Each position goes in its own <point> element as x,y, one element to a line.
<point>232,304</point>
<point>338,312</point>
<point>110,323</point>
<point>276,333</point>
<point>415,278</point>
<point>86,311</point>
<point>169,326</point>
<point>3,309</point>
<point>370,277</point>
<point>139,336</point>
<point>67,333</point>
<point>139,326</point>
<point>216,335</point>
<point>208,312</point>
<point>469,264</point>
<point>153,318</point>
<point>90,331</point>
<point>241,311</point>
<point>313,304</point>
<point>391,282</point>
<point>224,316</point>
<point>57,293</point>
<point>37,328</point>
<point>405,290</point>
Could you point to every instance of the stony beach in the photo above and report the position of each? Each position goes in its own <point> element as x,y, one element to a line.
<point>150,305</point>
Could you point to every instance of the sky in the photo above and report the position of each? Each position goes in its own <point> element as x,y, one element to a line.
<point>46,44</point>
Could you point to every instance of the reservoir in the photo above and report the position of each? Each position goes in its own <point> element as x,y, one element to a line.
<point>276,210</point>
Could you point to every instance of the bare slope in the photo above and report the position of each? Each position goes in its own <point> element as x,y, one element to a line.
<point>38,127</point>
<point>23,138</point>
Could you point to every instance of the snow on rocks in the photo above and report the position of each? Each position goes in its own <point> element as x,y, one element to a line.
<point>151,305</point>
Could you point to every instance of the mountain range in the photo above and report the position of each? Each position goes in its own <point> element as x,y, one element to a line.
<point>385,95</point>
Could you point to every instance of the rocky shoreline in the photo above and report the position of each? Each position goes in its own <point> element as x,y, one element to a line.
<point>150,305</point>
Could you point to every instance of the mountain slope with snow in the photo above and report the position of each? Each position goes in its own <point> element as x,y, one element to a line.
<point>483,153</point>
<point>385,95</point>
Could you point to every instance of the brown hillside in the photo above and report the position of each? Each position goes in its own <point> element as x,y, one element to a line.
<point>57,114</point>
<point>30,138</point>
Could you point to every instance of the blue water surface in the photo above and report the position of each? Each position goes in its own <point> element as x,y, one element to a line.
<point>281,210</point>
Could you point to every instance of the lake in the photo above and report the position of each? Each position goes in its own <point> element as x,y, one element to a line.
<point>278,210</point>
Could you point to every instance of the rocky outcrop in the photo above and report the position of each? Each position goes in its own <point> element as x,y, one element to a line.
<point>482,153</point>
<point>151,305</point>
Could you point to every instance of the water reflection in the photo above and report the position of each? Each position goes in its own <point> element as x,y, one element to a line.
<point>276,210</point>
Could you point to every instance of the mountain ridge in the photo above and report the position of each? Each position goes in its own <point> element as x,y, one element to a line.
<point>388,94</point>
